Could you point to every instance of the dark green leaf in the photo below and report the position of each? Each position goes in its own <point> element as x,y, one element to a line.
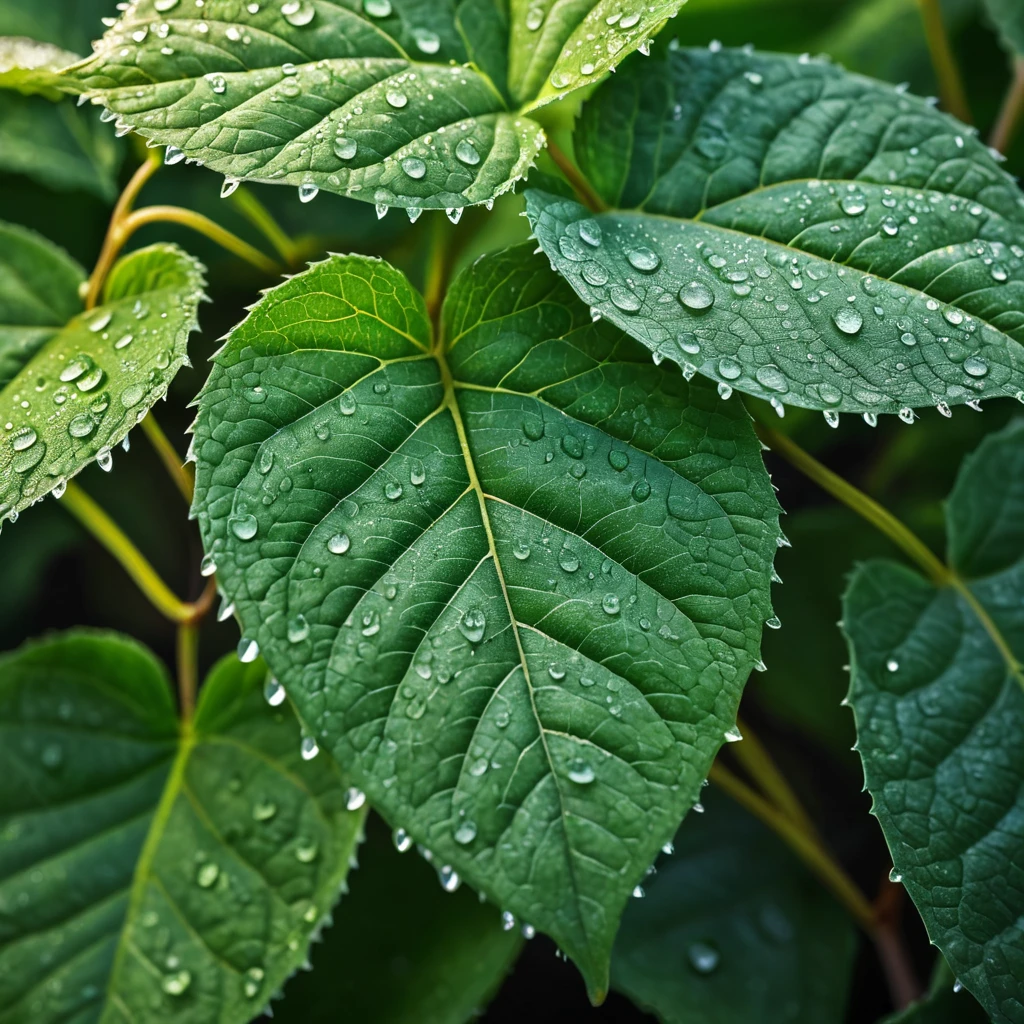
<point>79,390</point>
<point>732,928</point>
<point>937,695</point>
<point>1008,17</point>
<point>147,875</point>
<point>515,581</point>
<point>798,233</point>
<point>409,952</point>
<point>942,1004</point>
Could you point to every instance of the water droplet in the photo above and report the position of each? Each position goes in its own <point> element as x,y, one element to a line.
<point>414,167</point>
<point>377,8</point>
<point>347,404</point>
<point>638,892</point>
<point>248,650</point>
<point>298,629</point>
<point>643,259</point>
<point>773,623</point>
<point>207,874</point>
<point>641,490</point>
<point>339,544</point>
<point>396,98</point>
<point>624,299</point>
<point>508,921</point>
<point>907,415</point>
<point>534,18</point>
<point>466,152</point>
<point>892,665</point>
<point>556,671</point>
<point>354,798</point>
<point>465,833</point>
<point>590,232</point>
<point>308,192</point>
<point>244,527</point>
<point>305,853</point>
<point>298,12</point>
<point>472,625</point>
<point>610,603</point>
<point>308,748</point>
<point>572,446</point>
<point>449,878</point>
<point>401,839</point>
<point>848,320</point>
<point>263,810</point>
<point>853,205</point>
<point>580,772</point>
<point>371,624</point>
<point>274,693</point>
<point>831,417</point>
<point>177,983</point>
<point>895,876</point>
<point>426,41</point>
<point>975,367</point>
<point>697,296</point>
<point>345,149</point>
<point>618,460</point>
<point>703,957</point>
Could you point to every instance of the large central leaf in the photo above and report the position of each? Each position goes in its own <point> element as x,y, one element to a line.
<point>798,233</point>
<point>514,580</point>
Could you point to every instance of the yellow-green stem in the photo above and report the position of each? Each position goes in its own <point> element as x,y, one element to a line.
<point>583,189</point>
<point>110,535</point>
<point>1012,109</point>
<point>169,456</point>
<point>806,846</point>
<point>263,220</point>
<point>864,506</point>
<point>188,668</point>
<point>951,86</point>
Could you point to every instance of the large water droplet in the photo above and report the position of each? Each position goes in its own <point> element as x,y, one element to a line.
<point>466,152</point>
<point>643,259</point>
<point>472,625</point>
<point>848,320</point>
<point>465,833</point>
<point>339,544</point>
<point>696,296</point>
<point>273,693</point>
<point>244,527</point>
<point>580,772</point>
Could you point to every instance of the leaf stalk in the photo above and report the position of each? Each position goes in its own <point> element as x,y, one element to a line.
<point>584,190</point>
<point>1010,114</point>
<point>951,85</point>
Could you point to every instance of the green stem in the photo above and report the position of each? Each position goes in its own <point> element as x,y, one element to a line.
<point>864,506</point>
<point>584,190</point>
<point>204,226</point>
<point>176,469</point>
<point>188,668</point>
<point>1010,114</point>
<point>110,535</point>
<point>806,846</point>
<point>438,267</point>
<point>263,220</point>
<point>951,86</point>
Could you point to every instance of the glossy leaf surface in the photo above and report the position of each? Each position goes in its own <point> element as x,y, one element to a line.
<point>147,874</point>
<point>733,928</point>
<point>939,700</point>
<point>797,233</point>
<point>514,582</point>
<point>77,393</point>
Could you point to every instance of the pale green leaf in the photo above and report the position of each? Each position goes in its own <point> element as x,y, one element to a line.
<point>151,871</point>
<point>938,696</point>
<point>514,580</point>
<point>732,929</point>
<point>798,233</point>
<point>78,391</point>
<point>1008,18</point>
<point>318,95</point>
<point>30,66</point>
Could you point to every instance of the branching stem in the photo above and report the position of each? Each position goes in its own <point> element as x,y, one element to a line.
<point>951,86</point>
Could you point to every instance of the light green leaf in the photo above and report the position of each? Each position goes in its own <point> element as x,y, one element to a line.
<point>57,145</point>
<point>733,929</point>
<point>514,581</point>
<point>78,391</point>
<point>412,953</point>
<point>151,872</point>
<point>938,696</point>
<point>30,66</point>
<point>797,233</point>
<point>1008,18</point>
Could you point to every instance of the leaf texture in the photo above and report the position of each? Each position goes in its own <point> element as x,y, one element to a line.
<point>72,394</point>
<point>514,581</point>
<point>938,696</point>
<point>147,874</point>
<point>798,233</point>
<point>30,66</point>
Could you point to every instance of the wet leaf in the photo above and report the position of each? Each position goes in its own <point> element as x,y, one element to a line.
<point>514,582</point>
<point>938,696</point>
<point>31,67</point>
<point>151,870</point>
<point>78,390</point>
<point>733,928</point>
<point>797,233</point>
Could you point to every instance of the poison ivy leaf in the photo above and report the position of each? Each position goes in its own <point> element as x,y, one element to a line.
<point>1008,17</point>
<point>412,953</point>
<point>30,66</point>
<point>942,1004</point>
<point>734,929</point>
<point>152,871</point>
<point>78,391</point>
<point>937,694</point>
<point>798,233</point>
<point>514,580</point>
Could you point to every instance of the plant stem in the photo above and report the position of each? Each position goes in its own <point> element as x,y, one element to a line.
<point>204,226</point>
<point>177,471</point>
<point>899,971</point>
<point>1010,113</point>
<point>857,500</point>
<point>586,192</point>
<point>263,220</point>
<point>112,243</point>
<point>951,86</point>
<point>110,535</point>
<point>755,758</point>
<point>807,847</point>
<point>188,667</point>
<point>438,265</point>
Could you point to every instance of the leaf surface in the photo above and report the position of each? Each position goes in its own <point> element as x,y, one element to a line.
<point>1008,18</point>
<point>798,233</point>
<point>938,696</point>
<point>412,953</point>
<point>30,66</point>
<point>147,874</point>
<point>514,582</point>
<point>79,390</point>
<point>942,1003</point>
<point>733,928</point>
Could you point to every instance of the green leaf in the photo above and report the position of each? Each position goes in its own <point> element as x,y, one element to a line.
<point>70,24</point>
<point>942,1004</point>
<point>79,390</point>
<point>30,66</point>
<point>412,953</point>
<point>1008,18</point>
<point>57,145</point>
<point>147,872</point>
<point>937,694</point>
<point>515,582</point>
<point>733,928</point>
<point>797,233</point>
